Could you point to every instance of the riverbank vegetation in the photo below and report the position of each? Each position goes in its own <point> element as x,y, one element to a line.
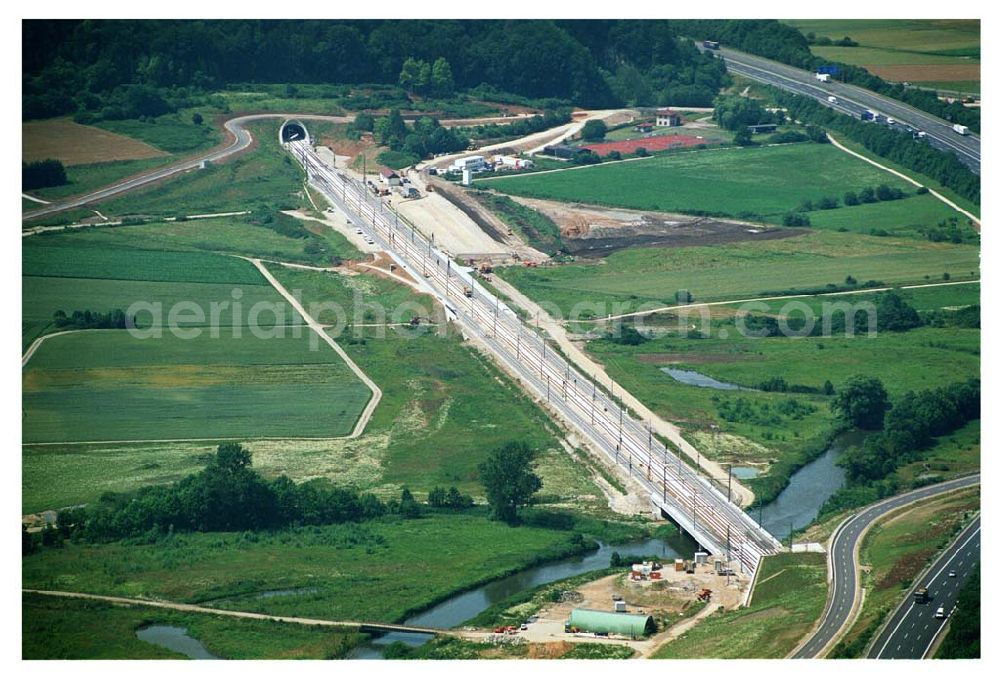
<point>382,569</point>
<point>73,629</point>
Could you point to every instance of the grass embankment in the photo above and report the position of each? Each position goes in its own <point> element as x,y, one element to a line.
<point>789,598</point>
<point>74,629</point>
<point>894,552</point>
<point>532,226</point>
<point>265,175</point>
<point>759,183</point>
<point>447,648</point>
<point>99,155</point>
<point>378,570</point>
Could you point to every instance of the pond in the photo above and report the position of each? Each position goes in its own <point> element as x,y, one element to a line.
<point>699,379</point>
<point>745,472</point>
<point>175,639</point>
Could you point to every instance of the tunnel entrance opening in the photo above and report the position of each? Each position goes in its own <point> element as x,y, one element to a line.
<point>293,130</point>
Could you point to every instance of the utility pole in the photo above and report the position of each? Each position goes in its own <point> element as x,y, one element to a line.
<point>729,495</point>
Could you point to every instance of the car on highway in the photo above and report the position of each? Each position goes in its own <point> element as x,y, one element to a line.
<point>952,573</point>
<point>939,613</point>
<point>890,121</point>
<point>359,231</point>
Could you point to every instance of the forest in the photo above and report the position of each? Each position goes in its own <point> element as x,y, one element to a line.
<point>123,69</point>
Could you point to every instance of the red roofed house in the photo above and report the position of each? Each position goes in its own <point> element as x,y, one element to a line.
<point>389,177</point>
<point>668,118</point>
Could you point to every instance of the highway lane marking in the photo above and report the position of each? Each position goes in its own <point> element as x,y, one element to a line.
<point>809,87</point>
<point>968,539</point>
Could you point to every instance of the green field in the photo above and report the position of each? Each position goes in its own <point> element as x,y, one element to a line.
<point>939,53</point>
<point>244,374</point>
<point>901,217</point>
<point>762,183</point>
<point>788,599</point>
<point>439,415</point>
<point>740,270</point>
<point>377,570</point>
<point>896,550</point>
<point>82,258</point>
<point>174,132</point>
<point>109,386</point>
<point>74,629</point>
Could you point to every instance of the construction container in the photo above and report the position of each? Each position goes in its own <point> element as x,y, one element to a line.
<point>678,565</point>
<point>700,558</point>
<point>619,606</point>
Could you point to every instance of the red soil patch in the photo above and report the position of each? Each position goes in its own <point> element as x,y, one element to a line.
<point>653,143</point>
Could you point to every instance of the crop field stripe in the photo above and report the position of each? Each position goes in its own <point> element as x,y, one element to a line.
<point>86,262</point>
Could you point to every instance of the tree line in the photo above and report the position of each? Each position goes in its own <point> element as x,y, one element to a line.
<point>775,40</point>
<point>908,425</point>
<point>92,319</point>
<point>229,495</point>
<point>42,174</point>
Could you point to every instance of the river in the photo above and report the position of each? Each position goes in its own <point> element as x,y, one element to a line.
<point>808,488</point>
<point>797,506</point>
<point>454,611</point>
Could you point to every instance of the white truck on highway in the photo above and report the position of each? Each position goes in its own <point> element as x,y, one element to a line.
<point>823,77</point>
<point>960,129</point>
<point>831,99</point>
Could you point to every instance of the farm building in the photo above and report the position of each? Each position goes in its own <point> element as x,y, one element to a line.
<point>644,127</point>
<point>472,163</point>
<point>668,118</point>
<point>389,177</point>
<point>599,621</point>
<point>562,151</point>
<point>511,162</point>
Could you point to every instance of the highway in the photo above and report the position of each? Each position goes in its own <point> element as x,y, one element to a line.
<point>241,140</point>
<point>842,561</point>
<point>913,628</point>
<point>687,496</point>
<point>853,100</point>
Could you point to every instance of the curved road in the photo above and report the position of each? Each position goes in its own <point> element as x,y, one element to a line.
<point>843,563</point>
<point>913,628</point>
<point>241,140</point>
<point>853,100</point>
